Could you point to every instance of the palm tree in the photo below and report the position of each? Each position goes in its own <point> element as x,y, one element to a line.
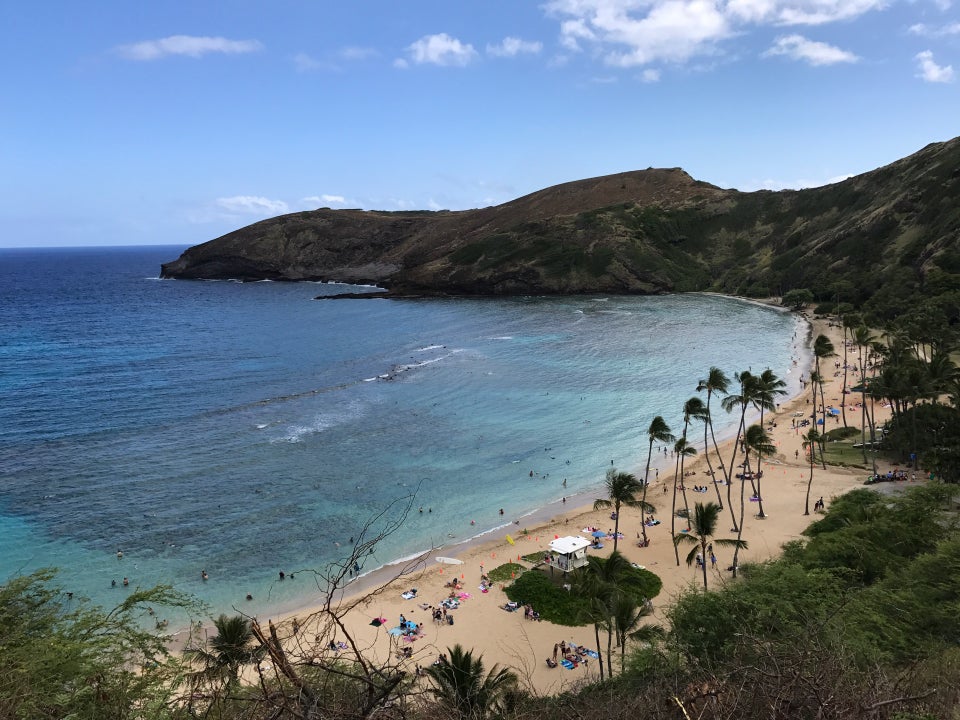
<point>628,615</point>
<point>622,489</point>
<point>461,684</point>
<point>226,652</point>
<point>822,348</point>
<point>682,450</point>
<point>755,440</point>
<point>769,387</point>
<point>716,382</point>
<point>658,431</point>
<point>599,581</point>
<point>863,338</point>
<point>705,519</point>
<point>748,392</point>
<point>810,441</point>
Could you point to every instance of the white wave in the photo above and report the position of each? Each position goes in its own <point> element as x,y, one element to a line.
<point>501,337</point>
<point>261,426</point>
<point>321,423</point>
<point>429,347</point>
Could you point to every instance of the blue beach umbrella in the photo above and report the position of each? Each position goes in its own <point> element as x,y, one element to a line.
<point>598,533</point>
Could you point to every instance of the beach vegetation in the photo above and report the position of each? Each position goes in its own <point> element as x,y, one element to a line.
<point>797,298</point>
<point>701,536</point>
<point>61,656</point>
<point>622,490</point>
<point>658,432</point>
<point>509,571</point>
<point>464,687</point>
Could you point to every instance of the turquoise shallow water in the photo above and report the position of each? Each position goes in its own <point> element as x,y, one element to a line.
<point>246,429</point>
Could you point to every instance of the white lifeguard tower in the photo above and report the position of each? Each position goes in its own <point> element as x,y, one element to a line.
<point>568,553</point>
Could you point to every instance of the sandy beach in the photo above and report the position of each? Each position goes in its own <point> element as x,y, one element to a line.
<point>509,639</point>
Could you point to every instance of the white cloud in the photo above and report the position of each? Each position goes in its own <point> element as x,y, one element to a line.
<point>798,47</point>
<point>801,12</point>
<point>662,30</point>
<point>188,45</point>
<point>358,53</point>
<point>513,46</point>
<point>324,200</point>
<point>628,33</point>
<point>252,205</point>
<point>928,31</point>
<point>650,76</point>
<point>440,49</point>
<point>305,63</point>
<point>930,71</point>
<point>401,64</point>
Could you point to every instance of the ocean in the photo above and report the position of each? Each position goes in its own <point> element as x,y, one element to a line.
<point>245,428</point>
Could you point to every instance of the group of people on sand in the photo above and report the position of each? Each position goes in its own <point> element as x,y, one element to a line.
<point>572,655</point>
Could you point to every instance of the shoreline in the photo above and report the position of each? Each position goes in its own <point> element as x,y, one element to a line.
<point>491,633</point>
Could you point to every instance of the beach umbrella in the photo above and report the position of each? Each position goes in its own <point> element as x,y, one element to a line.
<point>834,411</point>
<point>598,533</point>
<point>378,621</point>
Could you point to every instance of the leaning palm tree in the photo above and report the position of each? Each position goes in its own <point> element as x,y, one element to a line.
<point>742,400</point>
<point>705,519</point>
<point>769,386</point>
<point>716,382</point>
<point>810,441</point>
<point>658,431</point>
<point>226,652</point>
<point>461,684</point>
<point>755,440</point>
<point>622,489</point>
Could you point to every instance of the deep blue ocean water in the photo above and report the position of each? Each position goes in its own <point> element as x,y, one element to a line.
<point>244,428</point>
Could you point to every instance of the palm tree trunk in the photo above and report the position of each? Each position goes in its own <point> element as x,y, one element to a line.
<point>646,481</point>
<point>843,389</point>
<point>743,486</point>
<point>756,487</point>
<point>596,631</point>
<point>703,555</point>
<point>706,452</point>
<point>806,505</point>
<point>673,513</point>
<point>731,473</point>
<point>609,650</point>
<point>616,523</point>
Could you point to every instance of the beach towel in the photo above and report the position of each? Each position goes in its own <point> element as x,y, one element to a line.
<point>567,664</point>
<point>396,630</point>
<point>409,594</point>
<point>464,596</point>
<point>592,653</point>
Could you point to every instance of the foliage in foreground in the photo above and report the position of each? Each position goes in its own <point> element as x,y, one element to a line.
<point>62,657</point>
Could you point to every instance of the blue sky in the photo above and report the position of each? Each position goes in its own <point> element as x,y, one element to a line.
<point>173,122</point>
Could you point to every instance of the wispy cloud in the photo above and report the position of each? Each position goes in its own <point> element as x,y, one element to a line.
<point>801,12</point>
<point>513,46</point>
<point>252,205</point>
<point>187,45</point>
<point>323,200</point>
<point>354,52</point>
<point>628,33</point>
<point>929,71</point>
<point>798,47</point>
<point>440,49</point>
<point>931,31</point>
<point>650,75</point>
<point>306,63</point>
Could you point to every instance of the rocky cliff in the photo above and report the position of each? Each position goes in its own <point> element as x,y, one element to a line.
<point>648,231</point>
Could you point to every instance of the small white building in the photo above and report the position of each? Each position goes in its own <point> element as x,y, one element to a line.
<point>568,553</point>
